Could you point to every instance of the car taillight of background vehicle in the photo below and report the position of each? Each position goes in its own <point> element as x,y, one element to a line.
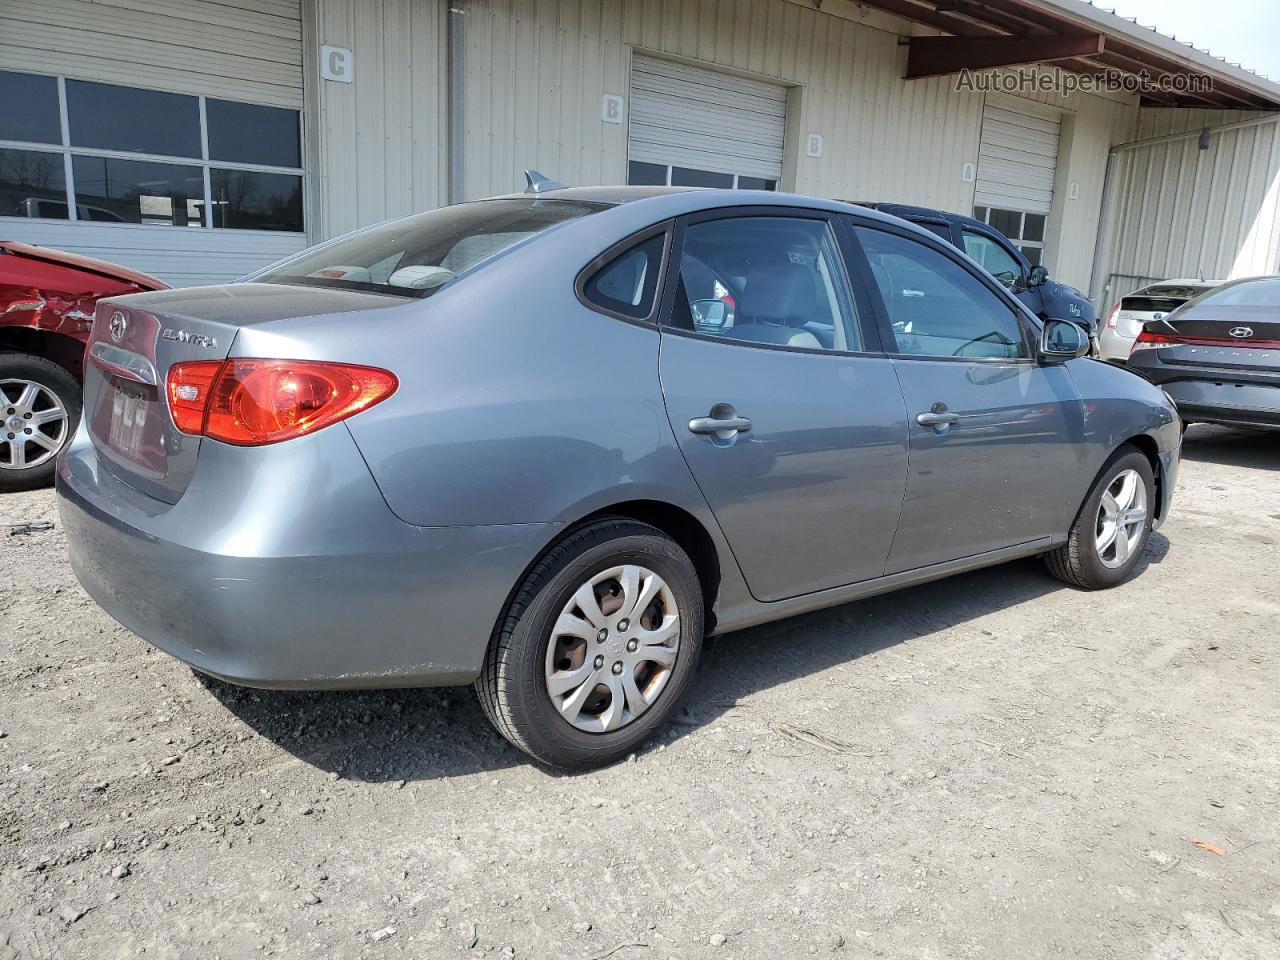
<point>250,402</point>
<point>1115,315</point>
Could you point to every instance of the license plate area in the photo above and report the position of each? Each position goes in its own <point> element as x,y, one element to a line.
<point>130,426</point>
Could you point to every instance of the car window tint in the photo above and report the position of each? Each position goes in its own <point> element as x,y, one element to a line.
<point>995,259</point>
<point>628,283</point>
<point>766,280</point>
<point>416,256</point>
<point>936,307</point>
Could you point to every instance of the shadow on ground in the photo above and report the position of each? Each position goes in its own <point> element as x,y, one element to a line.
<point>1257,449</point>
<point>415,735</point>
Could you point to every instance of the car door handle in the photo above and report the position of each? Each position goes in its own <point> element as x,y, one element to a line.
<point>936,419</point>
<point>719,424</point>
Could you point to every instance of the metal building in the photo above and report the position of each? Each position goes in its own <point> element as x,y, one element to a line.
<point>197,140</point>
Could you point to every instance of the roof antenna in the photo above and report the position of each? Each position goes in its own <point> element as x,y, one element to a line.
<point>540,184</point>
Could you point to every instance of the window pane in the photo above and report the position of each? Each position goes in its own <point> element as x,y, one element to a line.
<point>418,255</point>
<point>138,191</point>
<point>646,174</point>
<point>30,109</point>
<point>246,133</point>
<point>980,213</point>
<point>937,308</point>
<point>108,117</point>
<point>1033,255</point>
<point>756,183</point>
<point>256,201</point>
<point>32,184</point>
<point>684,177</point>
<point>1033,227</point>
<point>1008,222</point>
<point>995,259</point>
<point>627,284</point>
<point>766,280</point>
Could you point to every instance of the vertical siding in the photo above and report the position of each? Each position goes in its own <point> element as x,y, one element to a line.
<point>239,49</point>
<point>380,141</point>
<point>1179,211</point>
<point>535,72</point>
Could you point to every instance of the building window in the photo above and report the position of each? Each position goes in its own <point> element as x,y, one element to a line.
<point>640,174</point>
<point>76,150</point>
<point>1026,230</point>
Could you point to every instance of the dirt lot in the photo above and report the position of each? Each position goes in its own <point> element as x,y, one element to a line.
<point>992,766</point>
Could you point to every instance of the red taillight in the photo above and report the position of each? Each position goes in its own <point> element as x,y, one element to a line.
<point>1115,314</point>
<point>251,402</point>
<point>189,393</point>
<point>1151,341</point>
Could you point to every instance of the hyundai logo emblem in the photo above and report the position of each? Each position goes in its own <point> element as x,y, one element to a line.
<point>1241,333</point>
<point>119,324</point>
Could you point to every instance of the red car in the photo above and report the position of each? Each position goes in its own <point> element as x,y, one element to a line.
<point>47,298</point>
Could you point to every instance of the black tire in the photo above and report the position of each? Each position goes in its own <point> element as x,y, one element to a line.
<point>512,686</point>
<point>1078,562</point>
<point>63,386</point>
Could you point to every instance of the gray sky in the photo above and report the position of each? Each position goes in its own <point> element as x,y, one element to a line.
<point>1243,31</point>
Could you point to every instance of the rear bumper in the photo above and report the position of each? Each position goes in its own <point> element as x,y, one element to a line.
<point>1216,394</point>
<point>295,575</point>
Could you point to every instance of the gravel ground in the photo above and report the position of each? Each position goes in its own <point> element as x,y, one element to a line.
<point>991,766</point>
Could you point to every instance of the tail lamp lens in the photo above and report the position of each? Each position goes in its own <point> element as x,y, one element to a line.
<point>1151,341</point>
<point>1115,315</point>
<point>252,402</point>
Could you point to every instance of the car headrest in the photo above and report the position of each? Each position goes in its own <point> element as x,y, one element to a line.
<point>782,291</point>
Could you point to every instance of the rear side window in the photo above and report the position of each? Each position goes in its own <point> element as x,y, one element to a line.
<point>628,283</point>
<point>416,256</point>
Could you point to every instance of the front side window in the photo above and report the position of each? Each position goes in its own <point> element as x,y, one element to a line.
<point>416,256</point>
<point>628,284</point>
<point>935,306</point>
<point>766,280</point>
<point>993,258</point>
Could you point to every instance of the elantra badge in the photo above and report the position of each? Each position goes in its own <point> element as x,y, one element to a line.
<point>119,324</point>
<point>1241,333</point>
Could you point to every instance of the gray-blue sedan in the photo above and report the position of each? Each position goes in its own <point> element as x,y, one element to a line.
<point>545,443</point>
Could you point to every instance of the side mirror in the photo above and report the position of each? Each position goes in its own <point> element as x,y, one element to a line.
<point>708,313</point>
<point>1038,277</point>
<point>1062,340</point>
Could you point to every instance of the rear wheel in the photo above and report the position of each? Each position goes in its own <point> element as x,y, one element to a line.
<point>597,647</point>
<point>39,412</point>
<point>1111,531</point>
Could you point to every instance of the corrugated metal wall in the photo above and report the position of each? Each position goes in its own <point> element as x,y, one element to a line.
<point>1179,211</point>
<point>240,49</point>
<point>535,72</point>
<point>381,140</point>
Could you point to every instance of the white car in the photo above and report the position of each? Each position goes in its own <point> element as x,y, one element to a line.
<point>1152,302</point>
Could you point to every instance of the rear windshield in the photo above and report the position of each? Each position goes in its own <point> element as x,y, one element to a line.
<point>416,256</point>
<point>1173,292</point>
<point>1251,293</point>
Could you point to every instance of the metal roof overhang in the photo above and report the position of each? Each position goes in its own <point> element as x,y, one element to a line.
<point>1078,37</point>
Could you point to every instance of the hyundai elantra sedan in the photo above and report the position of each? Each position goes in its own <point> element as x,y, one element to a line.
<point>545,443</point>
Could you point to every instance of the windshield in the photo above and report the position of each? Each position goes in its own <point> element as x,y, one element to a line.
<point>1251,293</point>
<point>416,256</point>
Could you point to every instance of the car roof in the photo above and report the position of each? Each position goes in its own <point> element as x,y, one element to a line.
<point>908,212</point>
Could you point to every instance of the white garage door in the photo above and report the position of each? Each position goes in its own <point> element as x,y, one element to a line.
<point>1018,157</point>
<point>696,127</point>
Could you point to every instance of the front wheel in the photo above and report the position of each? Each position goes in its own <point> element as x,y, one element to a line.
<point>39,412</point>
<point>1111,531</point>
<point>597,647</point>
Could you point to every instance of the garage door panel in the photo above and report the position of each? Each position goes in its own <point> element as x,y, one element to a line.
<point>688,116</point>
<point>1017,157</point>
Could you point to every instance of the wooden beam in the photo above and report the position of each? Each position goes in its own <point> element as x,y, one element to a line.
<point>938,56</point>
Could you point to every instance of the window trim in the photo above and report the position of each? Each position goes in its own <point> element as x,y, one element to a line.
<point>1027,322</point>
<point>866,319</point>
<point>611,253</point>
<point>67,150</point>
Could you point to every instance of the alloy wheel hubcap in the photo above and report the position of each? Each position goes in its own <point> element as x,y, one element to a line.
<point>1122,519</point>
<point>34,425</point>
<point>613,648</point>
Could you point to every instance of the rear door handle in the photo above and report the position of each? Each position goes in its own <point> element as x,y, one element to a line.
<point>730,425</point>
<point>937,419</point>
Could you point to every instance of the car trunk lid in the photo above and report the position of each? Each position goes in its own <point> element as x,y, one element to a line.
<point>135,341</point>
<point>1236,338</point>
